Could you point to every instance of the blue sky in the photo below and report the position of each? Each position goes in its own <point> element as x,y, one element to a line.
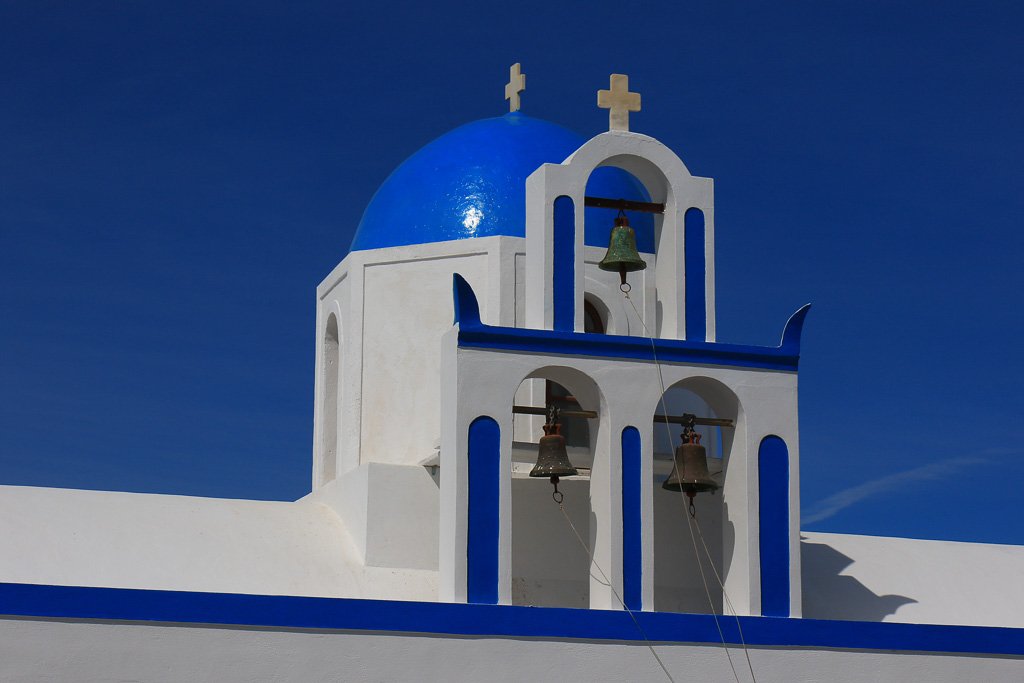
<point>176,178</point>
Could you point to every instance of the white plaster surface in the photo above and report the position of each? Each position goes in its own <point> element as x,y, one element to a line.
<point>875,578</point>
<point>155,653</point>
<point>390,512</point>
<point>407,306</point>
<point>129,540</point>
<point>624,392</point>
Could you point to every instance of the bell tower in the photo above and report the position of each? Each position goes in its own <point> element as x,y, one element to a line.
<point>653,373</point>
<point>676,296</point>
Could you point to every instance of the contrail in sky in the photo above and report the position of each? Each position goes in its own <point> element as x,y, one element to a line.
<point>824,509</point>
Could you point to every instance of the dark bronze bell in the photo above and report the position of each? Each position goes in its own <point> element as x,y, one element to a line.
<point>622,256</point>
<point>690,473</point>
<point>552,460</point>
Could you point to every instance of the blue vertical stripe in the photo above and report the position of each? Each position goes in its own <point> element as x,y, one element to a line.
<point>632,528</point>
<point>696,290</point>
<point>773,488</point>
<point>564,260</point>
<point>484,492</point>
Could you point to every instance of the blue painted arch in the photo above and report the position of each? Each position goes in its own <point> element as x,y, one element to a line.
<point>484,512</point>
<point>773,518</point>
<point>632,519</point>
<point>471,182</point>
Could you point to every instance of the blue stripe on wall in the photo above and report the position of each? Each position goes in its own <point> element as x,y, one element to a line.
<point>632,527</point>
<point>696,290</point>
<point>393,616</point>
<point>639,348</point>
<point>484,492</point>
<point>773,491</point>
<point>564,260</point>
<point>473,334</point>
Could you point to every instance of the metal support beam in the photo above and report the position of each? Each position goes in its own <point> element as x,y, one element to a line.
<point>590,414</point>
<point>623,205</point>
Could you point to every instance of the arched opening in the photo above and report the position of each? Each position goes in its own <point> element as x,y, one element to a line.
<point>682,546</point>
<point>549,565</point>
<point>612,182</point>
<point>330,374</point>
<point>610,189</point>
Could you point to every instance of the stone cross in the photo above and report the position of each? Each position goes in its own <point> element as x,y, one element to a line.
<point>516,84</point>
<point>619,102</point>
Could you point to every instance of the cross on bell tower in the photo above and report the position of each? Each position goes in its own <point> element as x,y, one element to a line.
<point>516,84</point>
<point>619,102</point>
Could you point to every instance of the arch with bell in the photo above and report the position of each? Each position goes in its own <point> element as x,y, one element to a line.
<point>617,506</point>
<point>675,295</point>
<point>549,566</point>
<point>692,448</point>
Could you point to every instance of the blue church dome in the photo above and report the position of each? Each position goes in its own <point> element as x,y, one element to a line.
<point>471,182</point>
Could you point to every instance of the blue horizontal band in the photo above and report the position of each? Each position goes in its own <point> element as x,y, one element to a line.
<point>633,348</point>
<point>474,334</point>
<point>501,621</point>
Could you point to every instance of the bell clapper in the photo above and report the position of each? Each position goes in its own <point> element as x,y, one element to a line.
<point>625,287</point>
<point>557,495</point>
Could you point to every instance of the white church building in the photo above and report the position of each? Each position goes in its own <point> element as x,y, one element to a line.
<point>470,316</point>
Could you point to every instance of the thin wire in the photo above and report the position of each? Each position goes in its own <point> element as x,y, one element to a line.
<point>724,593</point>
<point>700,566</point>
<point>668,431</point>
<point>614,592</point>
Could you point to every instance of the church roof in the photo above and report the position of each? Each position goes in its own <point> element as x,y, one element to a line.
<point>66,537</point>
<point>470,183</point>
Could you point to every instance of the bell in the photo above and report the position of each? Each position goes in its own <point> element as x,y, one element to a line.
<point>690,473</point>
<point>622,256</point>
<point>552,460</point>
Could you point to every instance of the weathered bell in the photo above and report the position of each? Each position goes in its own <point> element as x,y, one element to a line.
<point>690,473</point>
<point>622,256</point>
<point>552,460</point>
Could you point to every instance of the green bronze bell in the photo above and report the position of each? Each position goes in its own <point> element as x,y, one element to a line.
<point>622,255</point>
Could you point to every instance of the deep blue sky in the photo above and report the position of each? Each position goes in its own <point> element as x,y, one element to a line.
<point>176,179</point>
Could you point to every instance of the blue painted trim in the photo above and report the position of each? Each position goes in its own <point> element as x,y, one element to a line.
<point>467,309</point>
<point>696,285</point>
<point>484,494</point>
<point>473,334</point>
<point>773,514</point>
<point>632,524</point>
<point>564,265</point>
<point>794,328</point>
<point>344,614</point>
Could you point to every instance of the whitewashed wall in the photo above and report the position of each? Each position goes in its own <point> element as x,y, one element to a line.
<point>156,653</point>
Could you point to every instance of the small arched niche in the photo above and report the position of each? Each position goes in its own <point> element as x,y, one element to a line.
<point>330,380</point>
<point>595,315</point>
<point>550,567</point>
<point>683,547</point>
